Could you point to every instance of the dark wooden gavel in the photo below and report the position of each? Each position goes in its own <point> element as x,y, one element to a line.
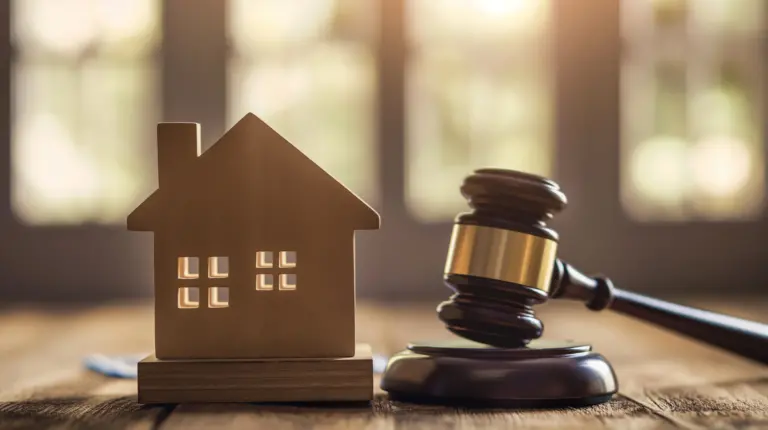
<point>502,261</point>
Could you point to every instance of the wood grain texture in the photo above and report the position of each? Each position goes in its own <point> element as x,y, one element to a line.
<point>733,405</point>
<point>385,414</point>
<point>665,381</point>
<point>276,380</point>
<point>42,382</point>
<point>82,412</point>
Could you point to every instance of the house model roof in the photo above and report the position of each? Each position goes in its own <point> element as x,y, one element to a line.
<point>251,175</point>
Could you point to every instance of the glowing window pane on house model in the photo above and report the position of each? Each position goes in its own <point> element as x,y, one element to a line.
<point>287,282</point>
<point>218,297</point>
<point>189,298</point>
<point>188,268</point>
<point>264,282</point>
<point>287,259</point>
<point>218,267</point>
<point>264,260</point>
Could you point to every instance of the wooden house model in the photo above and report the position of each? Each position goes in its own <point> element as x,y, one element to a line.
<point>253,249</point>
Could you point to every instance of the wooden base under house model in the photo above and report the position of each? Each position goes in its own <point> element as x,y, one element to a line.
<point>270,380</point>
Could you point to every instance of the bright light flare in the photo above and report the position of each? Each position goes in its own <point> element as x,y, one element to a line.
<point>507,8</point>
<point>658,169</point>
<point>721,166</point>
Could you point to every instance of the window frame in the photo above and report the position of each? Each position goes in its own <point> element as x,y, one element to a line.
<point>655,257</point>
<point>213,267</point>
<point>183,301</point>
<point>700,60</point>
<point>116,257</point>
<point>213,297</point>
<point>277,272</point>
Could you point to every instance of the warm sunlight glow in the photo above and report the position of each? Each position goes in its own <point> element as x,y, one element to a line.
<point>503,15</point>
<point>121,20</point>
<point>275,88</point>
<point>63,26</point>
<point>84,104</point>
<point>658,169</point>
<point>721,166</point>
<point>477,95</point>
<point>52,172</point>
<point>476,21</point>
<point>72,27</point>
<point>693,143</point>
<point>270,24</point>
<point>507,8</point>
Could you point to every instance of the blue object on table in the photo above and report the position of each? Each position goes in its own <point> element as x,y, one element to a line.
<point>379,363</point>
<point>115,366</point>
<point>125,366</point>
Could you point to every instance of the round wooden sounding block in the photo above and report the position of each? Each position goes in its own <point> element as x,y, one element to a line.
<point>462,372</point>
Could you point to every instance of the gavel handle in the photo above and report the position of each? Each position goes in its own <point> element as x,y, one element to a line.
<point>746,338</point>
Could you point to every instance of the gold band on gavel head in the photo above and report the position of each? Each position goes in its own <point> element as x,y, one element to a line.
<point>505,255</point>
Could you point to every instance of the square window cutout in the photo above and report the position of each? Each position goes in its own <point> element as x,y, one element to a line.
<point>188,268</point>
<point>264,282</point>
<point>189,297</point>
<point>264,260</point>
<point>287,259</point>
<point>218,267</point>
<point>288,282</point>
<point>218,297</point>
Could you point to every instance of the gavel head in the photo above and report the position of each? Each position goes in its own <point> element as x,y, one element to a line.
<point>501,257</point>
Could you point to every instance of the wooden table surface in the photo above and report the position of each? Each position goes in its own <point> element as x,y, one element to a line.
<point>665,381</point>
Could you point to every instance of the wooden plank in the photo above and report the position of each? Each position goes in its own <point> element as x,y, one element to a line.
<point>60,339</point>
<point>85,400</point>
<point>389,329</point>
<point>270,380</point>
<point>42,381</point>
<point>649,360</point>
<point>644,357</point>
<point>381,413</point>
<point>734,405</point>
<point>81,412</point>
<point>665,380</point>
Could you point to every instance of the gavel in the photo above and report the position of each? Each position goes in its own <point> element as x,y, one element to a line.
<point>502,262</point>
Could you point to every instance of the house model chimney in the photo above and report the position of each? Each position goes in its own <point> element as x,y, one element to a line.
<point>178,145</point>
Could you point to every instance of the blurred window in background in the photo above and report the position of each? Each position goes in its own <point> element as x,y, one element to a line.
<point>692,80</point>
<point>84,109</point>
<point>478,94</point>
<point>311,76</point>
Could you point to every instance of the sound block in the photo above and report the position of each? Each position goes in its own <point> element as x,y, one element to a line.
<point>462,372</point>
<point>269,380</point>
